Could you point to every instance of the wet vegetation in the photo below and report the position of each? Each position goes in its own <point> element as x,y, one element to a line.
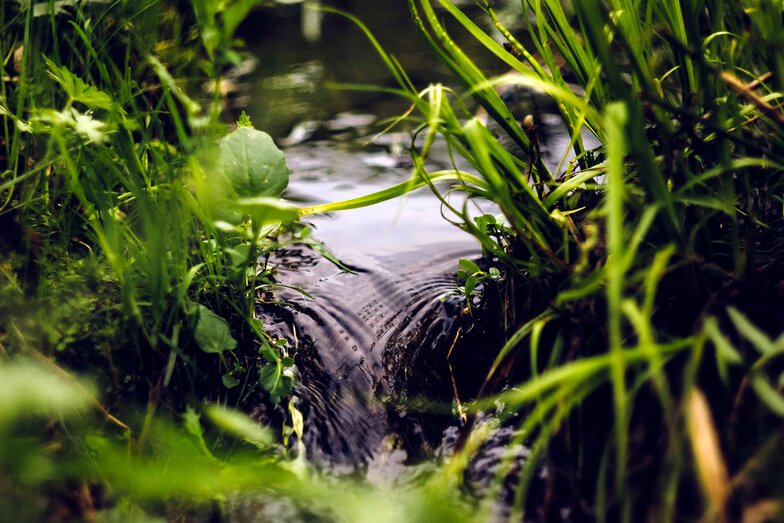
<point>619,349</point>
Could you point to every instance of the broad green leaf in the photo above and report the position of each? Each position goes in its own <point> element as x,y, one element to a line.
<point>229,381</point>
<point>239,254</point>
<point>470,284</point>
<point>266,209</point>
<point>269,377</point>
<point>286,384</point>
<point>469,265</point>
<point>269,354</point>
<point>253,164</point>
<point>212,332</point>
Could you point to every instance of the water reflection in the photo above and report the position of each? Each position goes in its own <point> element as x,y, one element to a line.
<point>294,71</point>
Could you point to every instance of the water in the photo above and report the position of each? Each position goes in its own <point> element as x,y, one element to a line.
<point>359,332</point>
<point>370,342</point>
<point>290,78</point>
<point>364,337</point>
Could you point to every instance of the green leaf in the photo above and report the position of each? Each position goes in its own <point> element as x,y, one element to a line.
<point>767,394</point>
<point>239,425</point>
<point>288,361</point>
<point>28,388</point>
<point>725,352</point>
<point>239,254</point>
<point>253,164</point>
<point>469,265</point>
<point>759,339</point>
<point>193,426</point>
<point>470,284</point>
<point>269,354</point>
<point>77,89</point>
<point>229,381</point>
<point>266,209</point>
<point>212,332</point>
<point>244,121</point>
<point>190,421</point>
<point>269,377</point>
<point>286,384</point>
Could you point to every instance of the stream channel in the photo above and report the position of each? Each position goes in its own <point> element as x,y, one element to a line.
<point>370,341</point>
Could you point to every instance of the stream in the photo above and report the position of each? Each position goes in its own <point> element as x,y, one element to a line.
<point>360,332</point>
<point>371,344</point>
<point>371,377</point>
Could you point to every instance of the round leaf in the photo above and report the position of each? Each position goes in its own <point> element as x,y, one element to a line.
<point>253,164</point>
<point>212,332</point>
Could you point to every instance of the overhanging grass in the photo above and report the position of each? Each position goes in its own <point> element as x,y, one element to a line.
<point>685,100</point>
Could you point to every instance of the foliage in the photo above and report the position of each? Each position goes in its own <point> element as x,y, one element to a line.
<point>640,283</point>
<point>619,263</point>
<point>132,224</point>
<point>201,468</point>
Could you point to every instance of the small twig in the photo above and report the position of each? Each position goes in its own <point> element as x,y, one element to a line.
<point>746,91</point>
<point>460,409</point>
<point>759,81</point>
<point>459,329</point>
<point>749,86</point>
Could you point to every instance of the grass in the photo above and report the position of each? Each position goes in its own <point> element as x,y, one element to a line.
<point>629,271</point>
<point>631,293</point>
<point>132,224</point>
<point>641,362</point>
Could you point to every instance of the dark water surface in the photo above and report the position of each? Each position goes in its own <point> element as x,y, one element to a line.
<point>359,331</point>
<point>367,339</point>
<point>290,77</point>
<point>358,338</point>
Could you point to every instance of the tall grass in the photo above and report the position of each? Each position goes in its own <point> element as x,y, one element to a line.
<point>130,239</point>
<point>112,167</point>
<point>638,349</point>
<point>640,298</point>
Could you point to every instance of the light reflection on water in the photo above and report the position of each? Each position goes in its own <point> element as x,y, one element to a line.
<point>293,74</point>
